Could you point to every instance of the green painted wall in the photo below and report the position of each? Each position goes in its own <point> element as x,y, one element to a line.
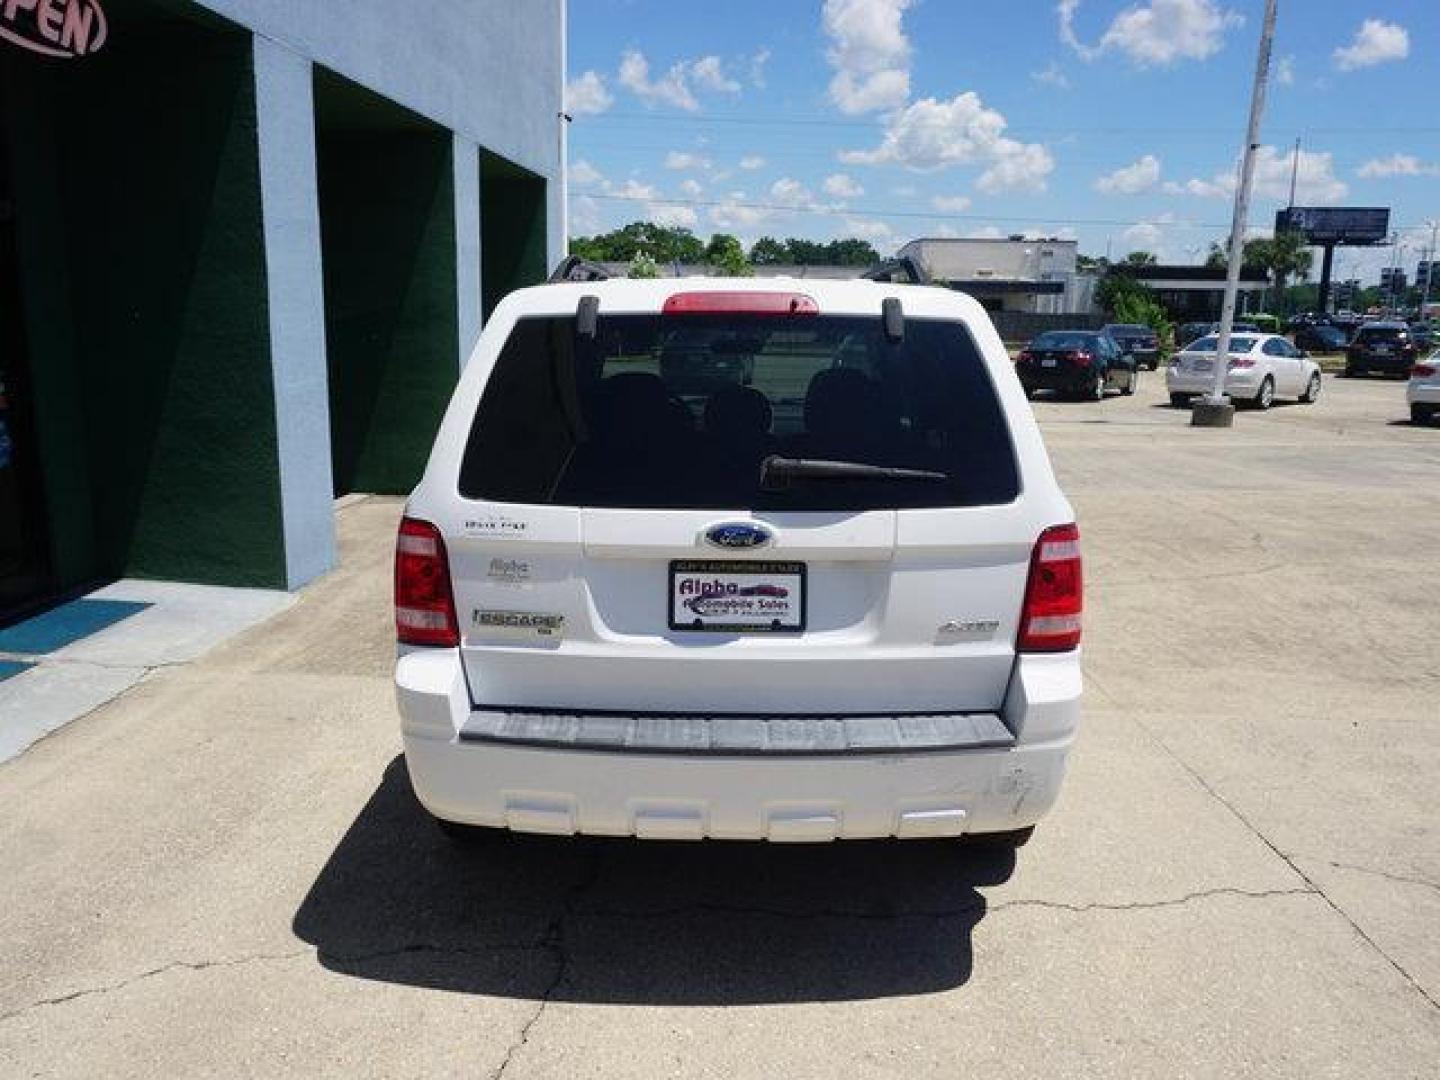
<point>512,228</point>
<point>387,224</point>
<point>153,199</point>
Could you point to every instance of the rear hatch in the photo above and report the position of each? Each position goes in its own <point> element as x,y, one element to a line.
<point>622,551</point>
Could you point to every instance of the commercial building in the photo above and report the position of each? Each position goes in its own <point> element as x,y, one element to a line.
<point>1197,293</point>
<point>245,246</point>
<point>1012,274</point>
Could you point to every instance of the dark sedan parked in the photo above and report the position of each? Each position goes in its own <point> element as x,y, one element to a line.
<point>1139,341</point>
<point>1318,337</point>
<point>1385,347</point>
<point>1078,363</point>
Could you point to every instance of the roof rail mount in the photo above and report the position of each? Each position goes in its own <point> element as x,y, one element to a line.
<point>574,268</point>
<point>904,270</point>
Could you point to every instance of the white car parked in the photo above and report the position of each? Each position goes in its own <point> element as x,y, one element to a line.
<point>1262,367</point>
<point>1423,391</point>
<point>760,559</point>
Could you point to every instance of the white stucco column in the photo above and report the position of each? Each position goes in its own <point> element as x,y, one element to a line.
<point>467,243</point>
<point>290,209</point>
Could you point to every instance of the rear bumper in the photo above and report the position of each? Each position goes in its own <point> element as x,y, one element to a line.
<point>755,797</point>
<point>1423,393</point>
<point>1391,364</point>
<point>1238,385</point>
<point>1067,380</point>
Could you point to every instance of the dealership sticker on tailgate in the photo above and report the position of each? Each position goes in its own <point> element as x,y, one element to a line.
<point>737,597</point>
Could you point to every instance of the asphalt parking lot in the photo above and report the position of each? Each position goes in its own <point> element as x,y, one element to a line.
<point>223,872</point>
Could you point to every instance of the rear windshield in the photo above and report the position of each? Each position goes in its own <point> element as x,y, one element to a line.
<point>1062,339</point>
<point>1208,344</point>
<point>679,412</point>
<point>1127,330</point>
<point>1383,333</point>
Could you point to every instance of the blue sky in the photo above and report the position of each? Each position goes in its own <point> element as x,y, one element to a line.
<point>1117,122</point>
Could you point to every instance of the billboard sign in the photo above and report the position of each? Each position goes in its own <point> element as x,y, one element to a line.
<point>1336,224</point>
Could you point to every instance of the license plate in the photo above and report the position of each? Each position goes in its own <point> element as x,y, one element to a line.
<point>737,597</point>
<point>1047,361</point>
<point>1382,350</point>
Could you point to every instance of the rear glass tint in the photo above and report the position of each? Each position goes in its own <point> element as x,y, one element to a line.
<point>1382,334</point>
<point>1209,344</point>
<point>679,412</point>
<point>1063,339</point>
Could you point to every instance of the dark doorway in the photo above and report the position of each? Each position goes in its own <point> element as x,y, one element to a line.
<point>387,226</point>
<point>24,558</point>
<point>512,229</point>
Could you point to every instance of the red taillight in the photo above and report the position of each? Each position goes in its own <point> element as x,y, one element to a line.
<point>1080,359</point>
<point>740,303</point>
<point>1026,357</point>
<point>1050,619</point>
<point>1422,371</point>
<point>424,603</point>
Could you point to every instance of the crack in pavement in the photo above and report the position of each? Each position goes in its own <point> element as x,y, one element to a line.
<point>553,941</point>
<point>173,965</point>
<point>1288,861</point>
<point>939,913</point>
<point>1402,878</point>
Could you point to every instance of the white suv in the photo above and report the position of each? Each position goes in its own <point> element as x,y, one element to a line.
<point>752,559</point>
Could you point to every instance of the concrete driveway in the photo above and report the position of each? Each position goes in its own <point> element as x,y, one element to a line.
<point>224,872</point>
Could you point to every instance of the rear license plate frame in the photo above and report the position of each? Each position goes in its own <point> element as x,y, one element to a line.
<point>728,571</point>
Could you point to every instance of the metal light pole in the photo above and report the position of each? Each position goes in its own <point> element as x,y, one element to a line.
<point>1215,409</point>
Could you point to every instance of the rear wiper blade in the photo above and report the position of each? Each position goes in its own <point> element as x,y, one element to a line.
<point>776,473</point>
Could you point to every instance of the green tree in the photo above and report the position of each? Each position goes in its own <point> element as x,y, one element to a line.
<point>728,254</point>
<point>767,251</point>
<point>661,243</point>
<point>643,266</point>
<point>1140,258</point>
<point>851,251</point>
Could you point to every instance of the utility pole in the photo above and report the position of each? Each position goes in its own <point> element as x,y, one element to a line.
<point>1215,409</point>
<point>1429,269</point>
<point>1294,171</point>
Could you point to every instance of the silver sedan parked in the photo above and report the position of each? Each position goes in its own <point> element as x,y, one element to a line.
<point>1260,368</point>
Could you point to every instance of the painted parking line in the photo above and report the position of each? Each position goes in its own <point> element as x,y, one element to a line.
<point>65,625</point>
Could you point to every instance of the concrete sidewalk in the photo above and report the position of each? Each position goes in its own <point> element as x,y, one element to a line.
<point>224,872</point>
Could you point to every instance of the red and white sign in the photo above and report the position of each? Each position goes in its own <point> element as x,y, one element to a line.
<point>65,29</point>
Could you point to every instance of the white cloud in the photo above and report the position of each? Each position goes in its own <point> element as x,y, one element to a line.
<point>869,52</point>
<point>1376,42</point>
<point>732,215</point>
<point>872,229</point>
<point>633,189</point>
<point>1053,75</point>
<point>585,216</point>
<point>842,186</point>
<point>791,192</point>
<point>691,187</point>
<point>670,89</point>
<point>1132,179</point>
<point>751,162</point>
<point>1315,182</point>
<point>1396,165</point>
<point>587,95</point>
<point>757,68</point>
<point>672,215</point>
<point>583,174</point>
<point>1285,71</point>
<point>905,191</point>
<point>1156,34</point>
<point>1151,234</point>
<point>985,232</point>
<point>931,134</point>
<point>709,74</point>
<point>682,159</point>
<point>951,204</point>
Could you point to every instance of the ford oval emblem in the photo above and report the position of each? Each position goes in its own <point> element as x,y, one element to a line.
<point>738,535</point>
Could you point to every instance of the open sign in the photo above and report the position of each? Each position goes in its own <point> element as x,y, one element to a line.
<point>61,28</point>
